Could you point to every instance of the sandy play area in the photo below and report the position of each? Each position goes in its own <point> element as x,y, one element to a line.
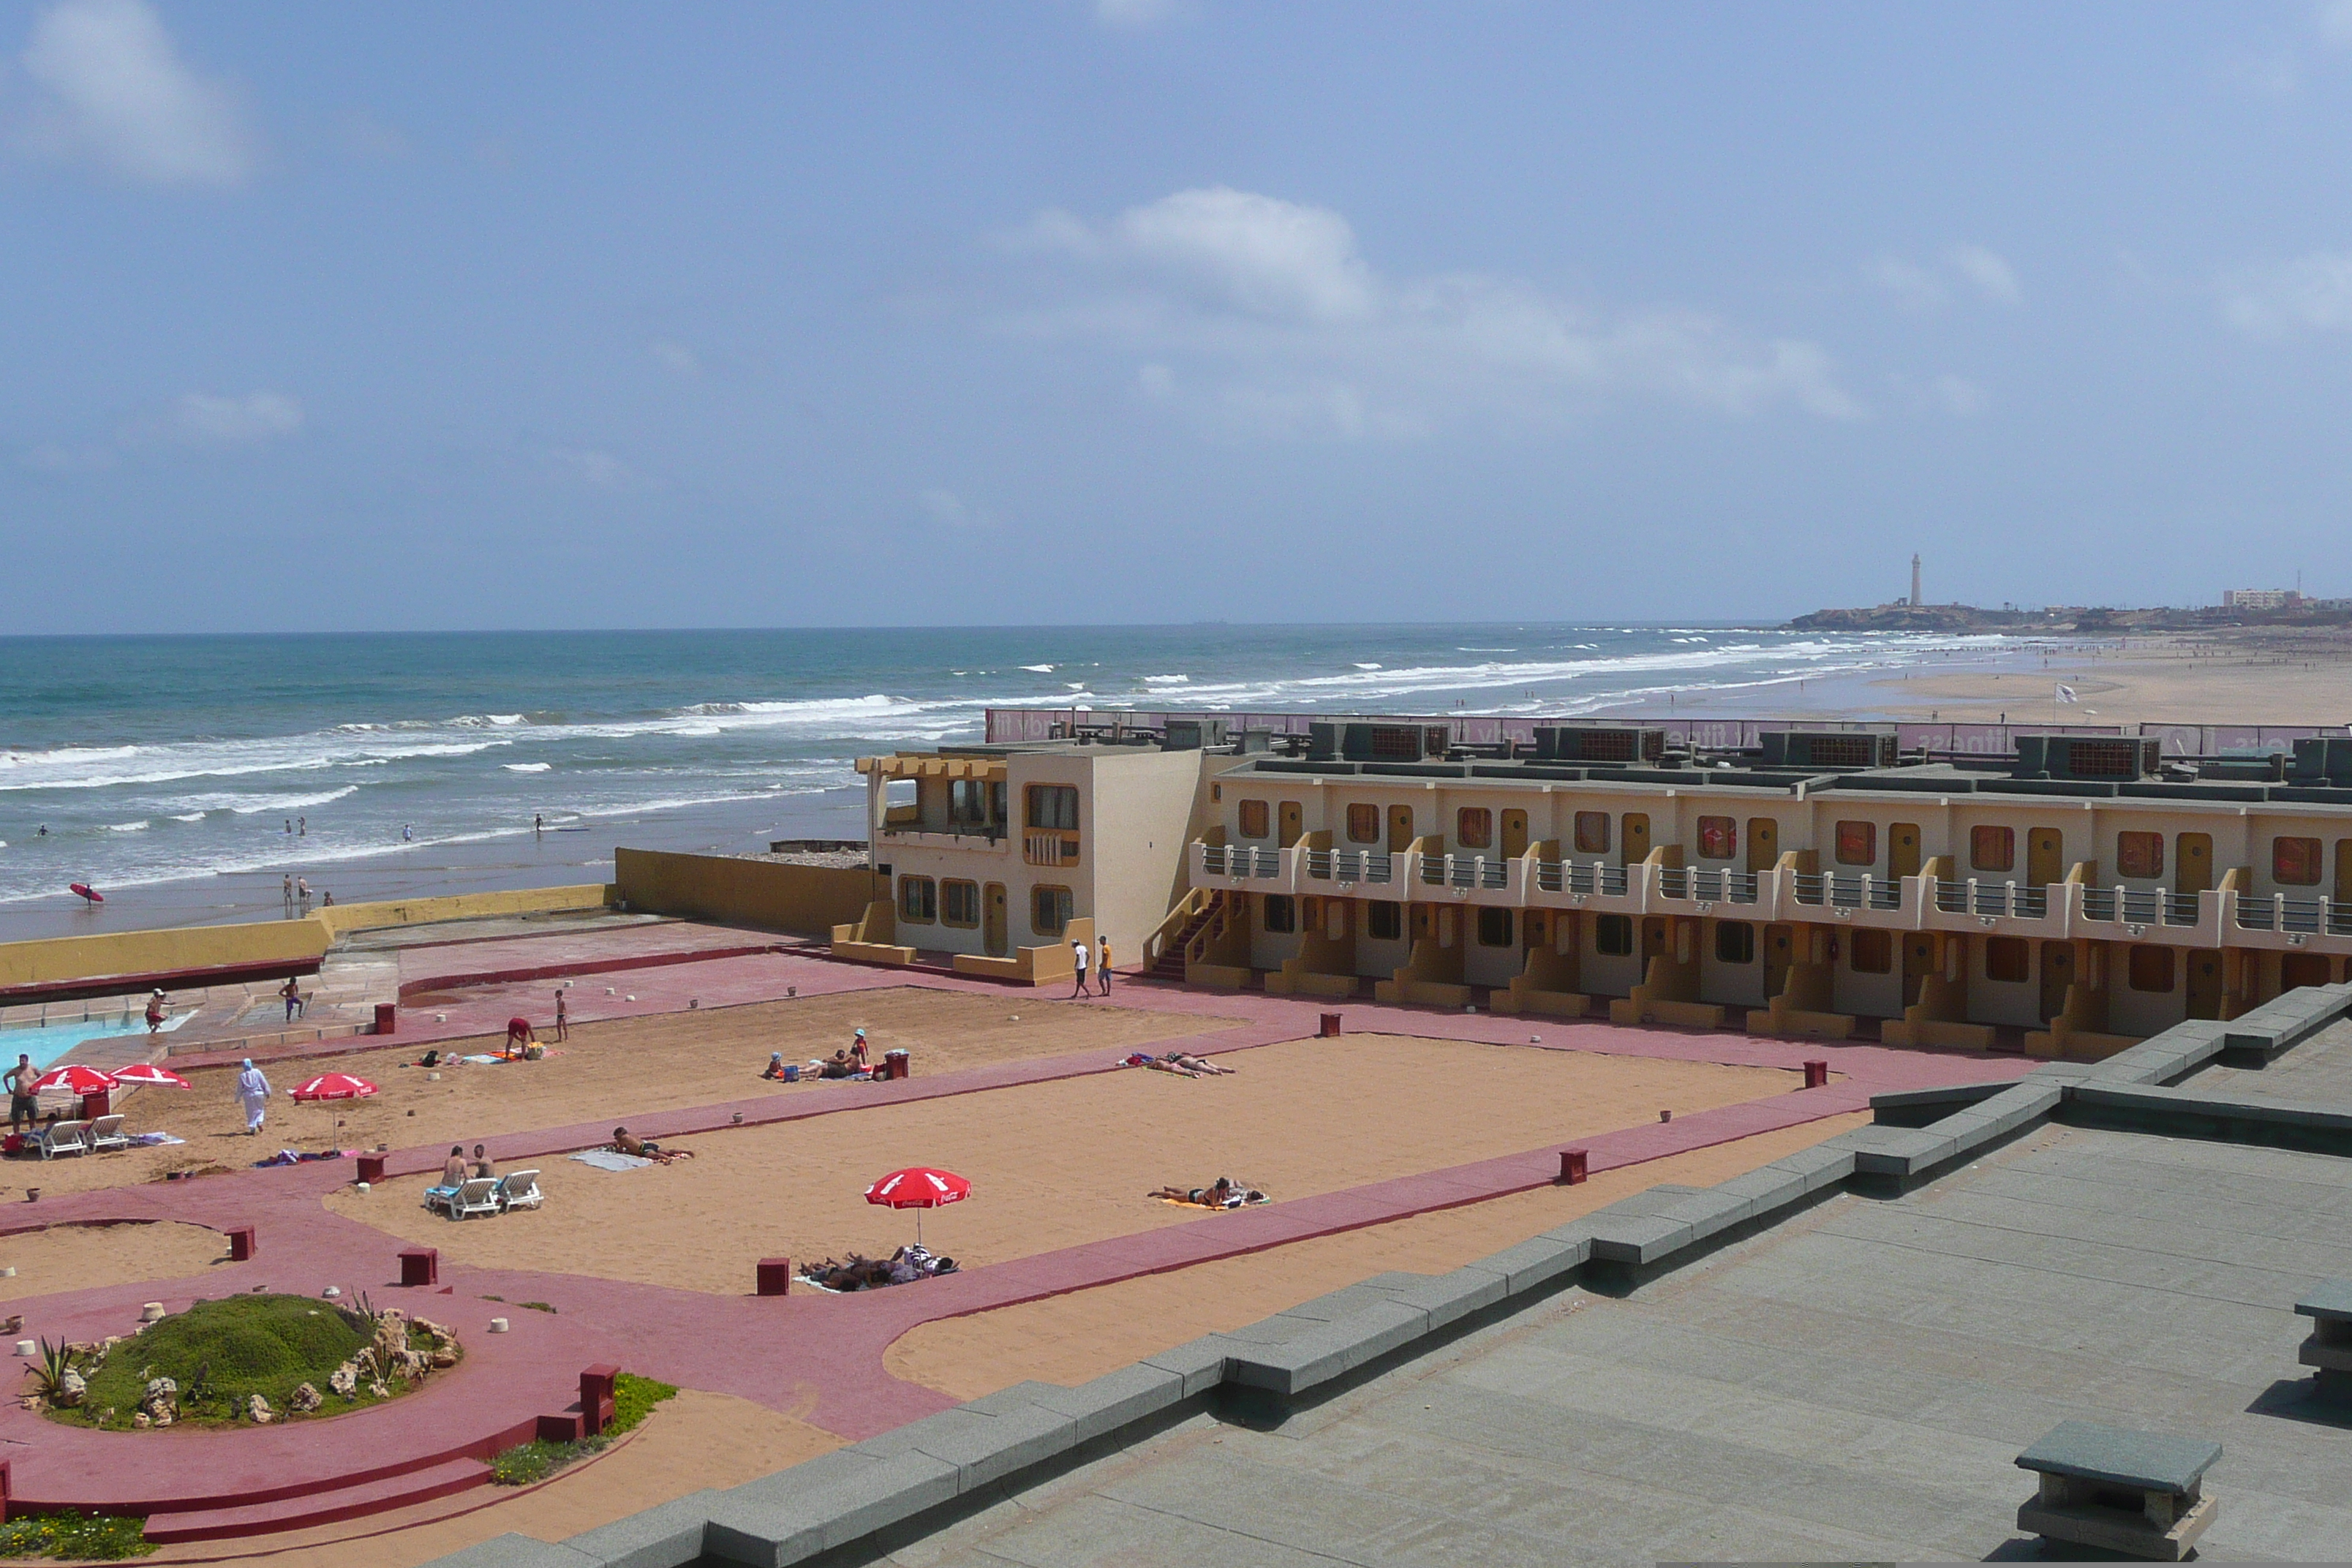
<point>1066,1163</point>
<point>1070,1338</point>
<point>616,1069</point>
<point>85,1256</point>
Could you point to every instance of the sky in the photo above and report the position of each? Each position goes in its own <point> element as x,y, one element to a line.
<point>429,315</point>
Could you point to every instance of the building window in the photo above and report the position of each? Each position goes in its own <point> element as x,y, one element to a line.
<point>1718,837</point>
<point>1993,849</point>
<point>1874,951</point>
<point>1734,941</point>
<point>1050,910</point>
<point>2295,862</point>
<point>1383,918</point>
<point>1253,819</point>
<point>1363,825</point>
<point>1494,927</point>
<point>960,904</point>
<point>2008,959</point>
<point>1281,914</point>
<point>2150,968</point>
<point>1474,827</point>
<point>918,899</point>
<point>1613,935</point>
<point>2140,854</point>
<point>1053,805</point>
<point>1857,843</point>
<point>1592,833</point>
<point>975,803</point>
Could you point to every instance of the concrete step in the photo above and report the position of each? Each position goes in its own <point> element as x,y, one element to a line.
<point>327,1507</point>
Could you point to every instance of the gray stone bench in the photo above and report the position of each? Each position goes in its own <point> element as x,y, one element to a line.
<point>2138,1493</point>
<point>2329,1351</point>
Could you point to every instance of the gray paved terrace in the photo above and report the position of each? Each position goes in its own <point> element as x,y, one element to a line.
<point>1853,1384</point>
<point>2316,1072</point>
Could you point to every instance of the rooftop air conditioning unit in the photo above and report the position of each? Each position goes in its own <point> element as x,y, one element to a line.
<point>2112,757</point>
<point>1827,749</point>
<point>1196,734</point>
<point>1599,743</point>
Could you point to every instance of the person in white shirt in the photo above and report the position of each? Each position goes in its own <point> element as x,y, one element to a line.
<point>254,1091</point>
<point>1078,957</point>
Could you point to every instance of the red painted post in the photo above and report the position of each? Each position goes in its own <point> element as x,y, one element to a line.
<point>1571,1167</point>
<point>420,1266</point>
<point>775,1275</point>
<point>596,1398</point>
<point>1331,1025</point>
<point>387,1018</point>
<point>240,1244</point>
<point>371,1168</point>
<point>1817,1075</point>
<point>8,1492</point>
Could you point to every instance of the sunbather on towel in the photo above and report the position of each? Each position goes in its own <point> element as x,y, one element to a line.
<point>837,1065</point>
<point>627,1142</point>
<point>1225,1192</point>
<point>1197,1065</point>
<point>775,1067</point>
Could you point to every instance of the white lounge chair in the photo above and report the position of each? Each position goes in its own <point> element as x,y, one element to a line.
<point>64,1138</point>
<point>106,1133</point>
<point>520,1190</point>
<point>476,1196</point>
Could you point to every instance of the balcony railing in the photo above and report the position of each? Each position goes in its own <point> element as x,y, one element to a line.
<point>2307,917</point>
<point>1050,848</point>
<point>2141,906</point>
<point>1465,872</point>
<point>1998,898</point>
<point>1586,879</point>
<point>1847,892</point>
<point>1240,860</point>
<point>1715,886</point>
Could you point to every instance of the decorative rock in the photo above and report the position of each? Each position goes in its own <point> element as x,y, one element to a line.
<point>433,1077</point>
<point>151,1312</point>
<point>161,1401</point>
<point>331,1291</point>
<point>304,1399</point>
<point>344,1380</point>
<point>9,1272</point>
<point>442,1360</point>
<point>497,1325</point>
<point>71,1386</point>
<point>361,1185</point>
<point>258,1409</point>
<point>141,1420</point>
<point>380,1390</point>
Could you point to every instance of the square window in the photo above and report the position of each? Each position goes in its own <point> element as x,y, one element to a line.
<point>1592,833</point>
<point>1363,825</point>
<point>918,899</point>
<point>2008,959</point>
<point>1718,837</point>
<point>1494,927</point>
<point>1734,941</point>
<point>1281,914</point>
<point>2151,968</point>
<point>1874,953</point>
<point>2140,854</point>
<point>1253,819</point>
<point>1474,827</point>
<point>1857,843</point>
<point>2295,862</point>
<point>1993,849</point>
<point>1054,807</point>
<point>1613,935</point>
<point>1050,911</point>
<point>960,904</point>
<point>1384,920</point>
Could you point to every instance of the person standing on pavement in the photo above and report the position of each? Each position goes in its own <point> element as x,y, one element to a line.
<point>288,880</point>
<point>253,1091</point>
<point>562,1019</point>
<point>1102,964</point>
<point>1078,958</point>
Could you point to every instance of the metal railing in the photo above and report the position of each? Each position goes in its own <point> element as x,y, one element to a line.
<point>1349,865</point>
<point>1465,872</point>
<point>2309,917</point>
<point>1847,892</point>
<point>1975,897</point>
<point>1240,860</point>
<point>1707,886</point>
<point>2142,906</point>
<point>1586,877</point>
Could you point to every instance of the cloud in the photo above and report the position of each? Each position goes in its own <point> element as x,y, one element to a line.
<point>1932,286</point>
<point>949,510</point>
<point>1263,315</point>
<point>2333,18</point>
<point>675,357</point>
<point>115,93</point>
<point>206,419</point>
<point>2311,293</point>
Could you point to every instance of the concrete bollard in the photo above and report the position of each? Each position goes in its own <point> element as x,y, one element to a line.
<point>774,1277</point>
<point>1817,1075</point>
<point>1330,1030</point>
<point>497,1325</point>
<point>420,1266</point>
<point>151,1312</point>
<point>241,1246</point>
<point>1571,1167</point>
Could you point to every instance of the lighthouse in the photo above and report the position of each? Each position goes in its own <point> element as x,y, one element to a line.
<point>1915,600</point>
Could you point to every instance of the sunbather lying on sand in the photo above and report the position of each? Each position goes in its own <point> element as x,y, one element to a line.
<point>627,1142</point>
<point>901,1267</point>
<point>1225,1192</point>
<point>1183,1064</point>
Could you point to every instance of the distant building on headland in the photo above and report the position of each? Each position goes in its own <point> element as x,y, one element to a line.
<point>2260,598</point>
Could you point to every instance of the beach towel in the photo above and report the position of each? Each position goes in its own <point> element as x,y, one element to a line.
<point>612,1160</point>
<point>152,1140</point>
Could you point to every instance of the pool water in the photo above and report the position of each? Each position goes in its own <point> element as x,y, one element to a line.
<point>49,1044</point>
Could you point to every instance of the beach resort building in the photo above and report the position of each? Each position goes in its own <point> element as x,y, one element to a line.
<point>2068,894</point>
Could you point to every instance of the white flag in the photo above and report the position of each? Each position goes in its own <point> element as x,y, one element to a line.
<point>2066,694</point>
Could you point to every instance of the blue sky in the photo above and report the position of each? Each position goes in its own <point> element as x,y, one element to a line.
<point>437,315</point>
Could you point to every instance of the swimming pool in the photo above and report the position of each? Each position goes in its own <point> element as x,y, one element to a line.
<point>48,1044</point>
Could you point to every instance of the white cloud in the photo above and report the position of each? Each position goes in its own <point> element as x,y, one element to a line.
<point>1991,276</point>
<point>1912,285</point>
<point>114,92</point>
<point>948,509</point>
<point>1293,331</point>
<point>1932,286</point>
<point>1959,396</point>
<point>2334,20</point>
<point>204,418</point>
<point>2312,292</point>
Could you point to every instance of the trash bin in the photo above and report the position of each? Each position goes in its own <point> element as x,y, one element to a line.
<point>387,1016</point>
<point>894,1064</point>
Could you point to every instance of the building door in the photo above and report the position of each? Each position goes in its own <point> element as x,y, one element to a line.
<point>1763,845</point>
<point>1400,829</point>
<point>2344,870</point>
<point>1515,835</point>
<point>1779,951</point>
<point>2297,970</point>
<point>1901,849</point>
<point>1294,823</point>
<point>2057,977</point>
<point>1421,922</point>
<point>1918,962</point>
<point>2045,860</point>
<point>992,933</point>
<point>2205,986</point>
<point>2193,863</point>
<point>1634,841</point>
<point>1653,940</point>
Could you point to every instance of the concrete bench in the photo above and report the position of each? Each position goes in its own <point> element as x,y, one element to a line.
<point>2138,1493</point>
<point>2329,1351</point>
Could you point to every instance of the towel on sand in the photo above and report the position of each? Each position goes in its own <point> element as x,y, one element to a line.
<point>612,1160</point>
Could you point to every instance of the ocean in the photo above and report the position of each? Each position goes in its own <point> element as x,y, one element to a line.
<point>169,759</point>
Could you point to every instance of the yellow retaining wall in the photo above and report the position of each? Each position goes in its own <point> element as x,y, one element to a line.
<point>810,899</point>
<point>345,918</point>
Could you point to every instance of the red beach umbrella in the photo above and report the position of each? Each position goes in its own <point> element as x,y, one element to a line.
<point>75,1078</point>
<point>147,1072</point>
<point>919,1187</point>
<point>334,1086</point>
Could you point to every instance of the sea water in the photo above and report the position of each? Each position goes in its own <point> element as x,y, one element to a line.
<point>150,760</point>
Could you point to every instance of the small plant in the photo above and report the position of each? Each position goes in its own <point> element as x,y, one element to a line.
<point>49,1371</point>
<point>535,1306</point>
<point>634,1399</point>
<point>74,1537</point>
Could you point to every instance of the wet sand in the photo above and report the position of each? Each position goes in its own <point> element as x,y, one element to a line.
<point>1063,1163</point>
